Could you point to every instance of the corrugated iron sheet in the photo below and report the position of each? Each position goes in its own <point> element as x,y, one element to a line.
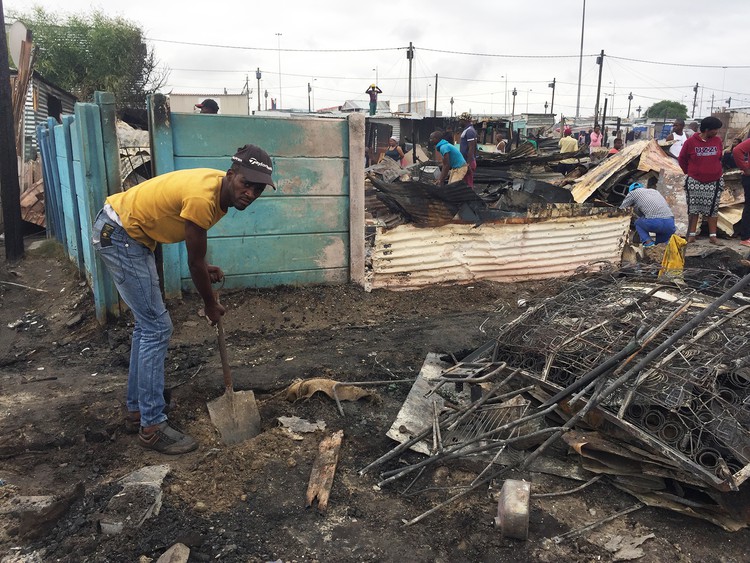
<point>590,182</point>
<point>408,257</point>
<point>426,205</point>
<point>654,158</point>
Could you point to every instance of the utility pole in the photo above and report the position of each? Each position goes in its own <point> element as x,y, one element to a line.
<point>257,77</point>
<point>630,99</point>
<point>580,63</point>
<point>10,191</point>
<point>639,112</point>
<point>552,107</point>
<point>712,103</point>
<point>546,105</point>
<point>434,112</point>
<point>695,99</point>
<point>600,62</point>
<point>309,105</point>
<point>247,91</point>
<point>729,102</point>
<point>410,57</point>
<point>513,111</point>
<point>451,107</point>
<point>266,95</point>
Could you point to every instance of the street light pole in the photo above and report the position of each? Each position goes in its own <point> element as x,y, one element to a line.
<point>552,85</point>
<point>630,99</point>
<point>513,111</point>
<point>505,95</point>
<point>451,107</point>
<point>695,99</point>
<point>257,76</point>
<point>580,63</point>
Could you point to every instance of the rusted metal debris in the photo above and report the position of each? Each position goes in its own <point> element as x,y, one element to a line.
<point>649,382</point>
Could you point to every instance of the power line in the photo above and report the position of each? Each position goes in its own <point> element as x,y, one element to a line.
<point>417,48</point>
<point>469,53</point>
<point>675,64</point>
<point>275,50</point>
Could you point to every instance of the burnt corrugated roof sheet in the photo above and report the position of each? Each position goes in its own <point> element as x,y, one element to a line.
<point>425,205</point>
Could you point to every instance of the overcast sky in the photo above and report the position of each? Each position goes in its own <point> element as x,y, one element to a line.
<point>480,55</point>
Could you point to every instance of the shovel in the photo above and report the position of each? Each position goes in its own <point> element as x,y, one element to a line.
<point>235,414</point>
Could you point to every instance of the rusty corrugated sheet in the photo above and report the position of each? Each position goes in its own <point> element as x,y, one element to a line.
<point>407,257</point>
<point>595,178</point>
<point>654,158</point>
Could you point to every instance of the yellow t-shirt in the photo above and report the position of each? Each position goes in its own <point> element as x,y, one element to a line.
<point>156,210</point>
<point>568,144</point>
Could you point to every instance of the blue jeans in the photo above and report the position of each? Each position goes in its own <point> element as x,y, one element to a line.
<point>133,269</point>
<point>662,228</point>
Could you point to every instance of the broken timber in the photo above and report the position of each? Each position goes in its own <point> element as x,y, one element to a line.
<point>323,471</point>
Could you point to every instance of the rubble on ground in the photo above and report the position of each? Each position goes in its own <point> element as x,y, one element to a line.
<point>646,382</point>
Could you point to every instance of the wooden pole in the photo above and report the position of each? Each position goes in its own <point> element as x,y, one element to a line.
<point>10,191</point>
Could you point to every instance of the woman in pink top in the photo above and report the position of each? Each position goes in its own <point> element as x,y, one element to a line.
<point>596,139</point>
<point>700,159</point>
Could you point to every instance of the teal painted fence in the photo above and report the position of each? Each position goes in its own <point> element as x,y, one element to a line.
<point>80,169</point>
<point>300,234</point>
<point>309,231</point>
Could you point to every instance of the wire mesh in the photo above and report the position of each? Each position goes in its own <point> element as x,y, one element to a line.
<point>693,399</point>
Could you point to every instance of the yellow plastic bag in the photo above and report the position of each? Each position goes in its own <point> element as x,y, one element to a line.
<point>673,261</point>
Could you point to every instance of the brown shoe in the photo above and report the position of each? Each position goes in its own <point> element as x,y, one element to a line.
<point>133,419</point>
<point>165,439</point>
<point>132,422</point>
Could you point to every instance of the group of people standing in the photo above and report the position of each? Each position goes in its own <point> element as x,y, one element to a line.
<point>700,158</point>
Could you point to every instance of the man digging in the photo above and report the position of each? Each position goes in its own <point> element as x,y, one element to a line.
<point>174,207</point>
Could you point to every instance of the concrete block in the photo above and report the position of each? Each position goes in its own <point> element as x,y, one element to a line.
<point>139,499</point>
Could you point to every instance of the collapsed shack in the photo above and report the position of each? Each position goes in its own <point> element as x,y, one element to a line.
<point>646,381</point>
<point>513,229</point>
<point>648,163</point>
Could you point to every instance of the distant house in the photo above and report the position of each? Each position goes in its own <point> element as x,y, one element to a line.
<point>43,100</point>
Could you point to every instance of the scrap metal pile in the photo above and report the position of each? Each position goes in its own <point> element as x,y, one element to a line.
<point>648,380</point>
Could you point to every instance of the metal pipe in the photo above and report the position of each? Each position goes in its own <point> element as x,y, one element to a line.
<point>359,384</point>
<point>569,491</point>
<point>459,415</point>
<point>575,533</point>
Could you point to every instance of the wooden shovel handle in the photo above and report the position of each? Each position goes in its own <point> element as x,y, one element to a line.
<point>223,352</point>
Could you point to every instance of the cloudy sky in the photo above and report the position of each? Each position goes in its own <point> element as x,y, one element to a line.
<point>656,50</point>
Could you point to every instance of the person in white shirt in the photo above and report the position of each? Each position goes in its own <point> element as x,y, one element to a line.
<point>678,136</point>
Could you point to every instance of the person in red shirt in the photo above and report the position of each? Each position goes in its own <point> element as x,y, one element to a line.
<point>741,153</point>
<point>700,159</point>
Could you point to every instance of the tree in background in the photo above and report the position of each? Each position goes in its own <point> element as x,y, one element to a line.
<point>84,53</point>
<point>667,109</point>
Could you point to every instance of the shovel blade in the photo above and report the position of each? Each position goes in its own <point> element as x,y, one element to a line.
<point>235,415</point>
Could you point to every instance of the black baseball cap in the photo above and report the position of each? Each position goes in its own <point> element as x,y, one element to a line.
<point>208,103</point>
<point>255,165</point>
